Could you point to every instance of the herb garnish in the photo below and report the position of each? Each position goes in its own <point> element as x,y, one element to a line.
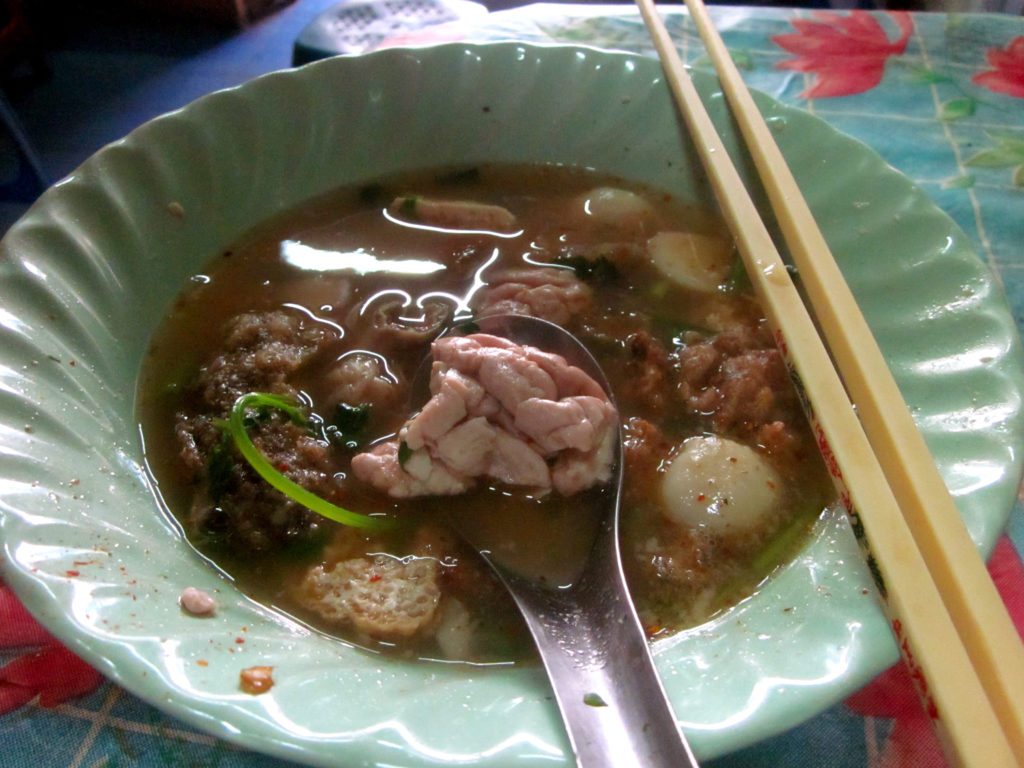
<point>218,468</point>
<point>596,270</point>
<point>404,454</point>
<point>466,327</point>
<point>408,207</point>
<point>238,429</point>
<point>348,427</point>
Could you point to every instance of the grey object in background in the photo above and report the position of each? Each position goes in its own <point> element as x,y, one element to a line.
<point>358,26</point>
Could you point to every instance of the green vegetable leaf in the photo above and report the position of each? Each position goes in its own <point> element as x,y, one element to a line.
<point>218,468</point>
<point>467,328</point>
<point>408,207</point>
<point>596,270</point>
<point>351,418</point>
<point>348,427</point>
<point>738,279</point>
<point>594,700</point>
<point>291,408</point>
<point>404,453</point>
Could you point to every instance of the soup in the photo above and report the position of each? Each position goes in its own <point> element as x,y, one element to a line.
<point>302,340</point>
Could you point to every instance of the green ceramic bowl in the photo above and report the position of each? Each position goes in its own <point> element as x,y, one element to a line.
<point>89,272</point>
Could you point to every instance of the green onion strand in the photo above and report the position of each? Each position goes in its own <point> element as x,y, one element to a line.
<point>249,451</point>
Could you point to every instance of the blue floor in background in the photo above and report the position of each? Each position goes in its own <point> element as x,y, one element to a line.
<point>109,76</point>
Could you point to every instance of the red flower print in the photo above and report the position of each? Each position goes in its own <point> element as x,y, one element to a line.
<point>1007,75</point>
<point>912,743</point>
<point>46,669</point>
<point>846,53</point>
<point>17,627</point>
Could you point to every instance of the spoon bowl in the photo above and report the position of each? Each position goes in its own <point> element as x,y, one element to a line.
<point>577,604</point>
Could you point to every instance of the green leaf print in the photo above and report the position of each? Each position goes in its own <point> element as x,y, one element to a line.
<point>957,109</point>
<point>966,181</point>
<point>1007,151</point>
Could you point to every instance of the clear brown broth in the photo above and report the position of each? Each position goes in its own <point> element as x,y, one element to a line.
<point>251,276</point>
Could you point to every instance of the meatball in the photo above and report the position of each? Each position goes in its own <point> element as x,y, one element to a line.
<point>720,485</point>
<point>233,505</point>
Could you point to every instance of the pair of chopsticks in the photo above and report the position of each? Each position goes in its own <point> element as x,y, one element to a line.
<point>954,632</point>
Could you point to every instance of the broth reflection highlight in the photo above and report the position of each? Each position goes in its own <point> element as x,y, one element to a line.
<point>334,306</point>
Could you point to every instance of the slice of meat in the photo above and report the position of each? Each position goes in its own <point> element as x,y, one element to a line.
<point>454,214</point>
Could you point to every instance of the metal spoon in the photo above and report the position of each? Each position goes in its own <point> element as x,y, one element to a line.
<point>587,632</point>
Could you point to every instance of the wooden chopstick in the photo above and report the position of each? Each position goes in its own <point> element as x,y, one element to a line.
<point>979,614</point>
<point>950,688</point>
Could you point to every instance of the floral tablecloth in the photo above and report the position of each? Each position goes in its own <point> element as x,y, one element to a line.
<point>939,96</point>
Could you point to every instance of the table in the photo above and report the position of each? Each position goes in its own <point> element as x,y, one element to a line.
<point>939,96</point>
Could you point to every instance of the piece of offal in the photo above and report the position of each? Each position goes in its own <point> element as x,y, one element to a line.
<point>501,411</point>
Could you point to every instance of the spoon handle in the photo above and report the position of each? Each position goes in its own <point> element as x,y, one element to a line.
<point>588,635</point>
<point>597,658</point>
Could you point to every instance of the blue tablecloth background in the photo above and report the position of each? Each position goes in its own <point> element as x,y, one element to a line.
<point>959,139</point>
